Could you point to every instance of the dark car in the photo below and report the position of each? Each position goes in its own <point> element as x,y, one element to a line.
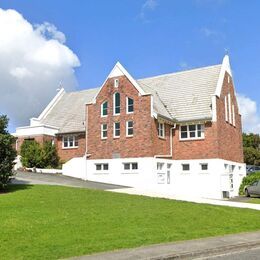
<point>253,189</point>
<point>252,169</point>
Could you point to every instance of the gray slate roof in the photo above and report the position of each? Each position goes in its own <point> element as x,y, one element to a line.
<point>180,96</point>
<point>69,112</point>
<point>185,95</point>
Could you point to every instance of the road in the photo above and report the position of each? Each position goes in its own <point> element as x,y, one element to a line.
<point>250,254</point>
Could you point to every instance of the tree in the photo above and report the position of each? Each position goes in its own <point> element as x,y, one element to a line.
<point>35,155</point>
<point>251,143</point>
<point>31,153</point>
<point>7,153</point>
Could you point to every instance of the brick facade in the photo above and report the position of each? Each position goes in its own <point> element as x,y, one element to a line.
<point>69,153</point>
<point>222,140</point>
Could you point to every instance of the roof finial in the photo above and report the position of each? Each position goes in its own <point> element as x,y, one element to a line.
<point>60,86</point>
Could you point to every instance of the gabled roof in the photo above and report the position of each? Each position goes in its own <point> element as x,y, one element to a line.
<point>69,112</point>
<point>181,97</point>
<point>185,95</point>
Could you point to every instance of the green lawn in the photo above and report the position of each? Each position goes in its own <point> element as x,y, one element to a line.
<point>50,222</point>
<point>254,200</point>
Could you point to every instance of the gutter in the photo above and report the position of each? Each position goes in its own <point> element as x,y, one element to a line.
<point>171,145</point>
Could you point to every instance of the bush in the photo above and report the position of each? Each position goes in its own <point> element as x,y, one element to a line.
<point>35,155</point>
<point>248,180</point>
<point>7,153</point>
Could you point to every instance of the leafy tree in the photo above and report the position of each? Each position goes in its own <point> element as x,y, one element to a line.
<point>251,143</point>
<point>35,155</point>
<point>7,153</point>
<point>251,140</point>
<point>31,153</point>
<point>49,155</point>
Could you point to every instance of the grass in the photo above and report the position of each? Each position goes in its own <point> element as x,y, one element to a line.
<point>51,222</point>
<point>254,200</point>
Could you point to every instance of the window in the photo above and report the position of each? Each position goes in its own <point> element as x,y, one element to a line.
<point>102,167</point>
<point>104,131</point>
<point>70,141</point>
<point>185,167</point>
<point>104,108</point>
<point>130,105</point>
<point>226,109</point>
<point>229,109</point>
<point>116,83</point>
<point>117,129</point>
<point>204,166</point>
<point>129,128</point>
<point>192,131</point>
<point>233,113</point>
<point>161,131</point>
<point>131,166</point>
<point>160,166</point>
<point>116,103</point>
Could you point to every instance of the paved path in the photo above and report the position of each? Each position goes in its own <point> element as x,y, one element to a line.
<point>57,179</point>
<point>189,199</point>
<point>192,249</point>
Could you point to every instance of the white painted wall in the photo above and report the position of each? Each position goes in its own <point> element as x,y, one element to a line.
<point>195,183</point>
<point>76,168</point>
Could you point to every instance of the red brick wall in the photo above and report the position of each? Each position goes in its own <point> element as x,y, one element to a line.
<point>140,145</point>
<point>229,136</point>
<point>69,153</point>
<point>38,138</point>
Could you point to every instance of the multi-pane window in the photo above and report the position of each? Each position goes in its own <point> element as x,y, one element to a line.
<point>104,108</point>
<point>192,131</point>
<point>130,105</point>
<point>131,166</point>
<point>129,128</point>
<point>116,103</point>
<point>117,129</point>
<point>204,166</point>
<point>116,83</point>
<point>160,166</point>
<point>102,167</point>
<point>185,167</point>
<point>70,141</point>
<point>161,130</point>
<point>226,109</point>
<point>234,116</point>
<point>104,131</point>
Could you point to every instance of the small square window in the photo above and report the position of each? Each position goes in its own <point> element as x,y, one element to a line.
<point>98,167</point>
<point>204,166</point>
<point>185,167</point>
<point>134,166</point>
<point>105,166</point>
<point>126,166</point>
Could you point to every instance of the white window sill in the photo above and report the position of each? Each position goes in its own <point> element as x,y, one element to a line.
<point>116,137</point>
<point>192,139</point>
<point>162,137</point>
<point>103,116</point>
<point>71,147</point>
<point>129,136</point>
<point>129,113</point>
<point>103,138</point>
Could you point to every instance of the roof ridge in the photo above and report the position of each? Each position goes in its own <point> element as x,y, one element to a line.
<point>83,90</point>
<point>179,72</point>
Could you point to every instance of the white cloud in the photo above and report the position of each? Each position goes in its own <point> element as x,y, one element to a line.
<point>250,114</point>
<point>33,60</point>
<point>149,5</point>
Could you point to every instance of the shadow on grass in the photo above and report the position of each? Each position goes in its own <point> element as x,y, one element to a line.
<point>15,187</point>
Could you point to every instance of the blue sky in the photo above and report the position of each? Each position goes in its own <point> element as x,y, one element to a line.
<point>151,37</point>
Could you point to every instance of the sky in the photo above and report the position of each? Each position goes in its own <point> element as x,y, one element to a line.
<point>74,44</point>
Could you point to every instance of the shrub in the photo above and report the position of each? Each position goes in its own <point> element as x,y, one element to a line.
<point>50,156</point>
<point>7,153</point>
<point>31,153</point>
<point>248,180</point>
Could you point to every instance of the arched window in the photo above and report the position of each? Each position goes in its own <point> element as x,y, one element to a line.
<point>116,103</point>
<point>104,108</point>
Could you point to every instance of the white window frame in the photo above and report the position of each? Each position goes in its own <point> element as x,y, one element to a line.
<point>196,132</point>
<point>114,130</point>
<point>161,130</point>
<point>116,83</point>
<point>127,105</point>
<point>127,128</point>
<point>75,141</point>
<point>226,109</point>
<point>114,104</point>
<point>160,166</point>
<point>130,170</point>
<point>229,109</point>
<point>102,167</point>
<point>234,116</point>
<point>102,115</point>
<point>103,130</point>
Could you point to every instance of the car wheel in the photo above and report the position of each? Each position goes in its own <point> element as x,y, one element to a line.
<point>247,193</point>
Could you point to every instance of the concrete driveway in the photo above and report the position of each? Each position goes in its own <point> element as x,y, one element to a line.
<point>57,179</point>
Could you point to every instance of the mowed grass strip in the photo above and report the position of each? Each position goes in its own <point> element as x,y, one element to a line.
<point>51,222</point>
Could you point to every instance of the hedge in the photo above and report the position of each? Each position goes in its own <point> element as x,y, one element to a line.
<point>248,180</point>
